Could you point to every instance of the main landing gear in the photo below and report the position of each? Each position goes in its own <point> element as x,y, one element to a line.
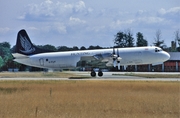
<point>93,73</point>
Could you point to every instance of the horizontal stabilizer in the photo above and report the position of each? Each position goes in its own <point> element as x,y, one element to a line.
<point>19,56</point>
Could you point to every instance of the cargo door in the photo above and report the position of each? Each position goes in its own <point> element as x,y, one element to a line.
<point>41,61</point>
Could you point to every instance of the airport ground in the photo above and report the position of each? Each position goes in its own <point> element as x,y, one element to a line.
<point>43,95</point>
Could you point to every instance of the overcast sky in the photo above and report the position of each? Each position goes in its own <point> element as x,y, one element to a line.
<point>84,22</point>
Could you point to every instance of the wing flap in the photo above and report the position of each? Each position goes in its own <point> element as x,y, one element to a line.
<point>97,60</point>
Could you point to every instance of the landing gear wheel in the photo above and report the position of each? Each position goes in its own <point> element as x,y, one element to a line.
<point>100,73</point>
<point>93,73</point>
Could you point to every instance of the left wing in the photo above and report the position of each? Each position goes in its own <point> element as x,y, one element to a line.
<point>98,60</point>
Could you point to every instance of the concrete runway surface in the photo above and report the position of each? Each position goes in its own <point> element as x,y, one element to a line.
<point>121,76</point>
<point>107,76</point>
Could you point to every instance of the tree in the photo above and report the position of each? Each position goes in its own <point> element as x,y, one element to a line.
<point>124,39</point>
<point>1,62</point>
<point>5,54</point>
<point>94,47</point>
<point>5,45</point>
<point>177,36</point>
<point>158,42</point>
<point>63,48</point>
<point>140,40</point>
<point>75,48</point>
<point>129,38</point>
<point>47,47</point>
<point>83,48</point>
<point>119,39</point>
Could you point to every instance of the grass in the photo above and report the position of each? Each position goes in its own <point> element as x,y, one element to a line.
<point>39,75</point>
<point>91,99</point>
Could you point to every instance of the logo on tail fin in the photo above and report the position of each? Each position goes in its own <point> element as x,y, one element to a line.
<point>28,47</point>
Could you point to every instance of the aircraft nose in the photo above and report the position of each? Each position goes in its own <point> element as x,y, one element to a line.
<point>166,56</point>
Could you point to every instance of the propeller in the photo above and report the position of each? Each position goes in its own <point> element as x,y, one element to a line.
<point>116,58</point>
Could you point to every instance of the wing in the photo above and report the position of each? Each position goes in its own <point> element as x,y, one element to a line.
<point>98,60</point>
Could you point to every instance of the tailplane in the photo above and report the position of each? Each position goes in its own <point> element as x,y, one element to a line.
<point>24,45</point>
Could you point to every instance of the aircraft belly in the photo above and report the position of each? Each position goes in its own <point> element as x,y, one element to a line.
<point>132,62</point>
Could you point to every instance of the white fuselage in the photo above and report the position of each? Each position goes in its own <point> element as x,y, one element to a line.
<point>64,60</point>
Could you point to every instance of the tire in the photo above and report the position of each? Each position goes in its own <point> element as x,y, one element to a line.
<point>100,73</point>
<point>93,74</point>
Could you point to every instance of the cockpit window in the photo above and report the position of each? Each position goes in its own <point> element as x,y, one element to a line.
<point>157,50</point>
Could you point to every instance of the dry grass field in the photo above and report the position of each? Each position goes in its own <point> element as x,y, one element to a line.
<point>37,74</point>
<point>89,99</point>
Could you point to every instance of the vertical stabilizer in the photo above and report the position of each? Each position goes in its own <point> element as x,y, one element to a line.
<point>24,45</point>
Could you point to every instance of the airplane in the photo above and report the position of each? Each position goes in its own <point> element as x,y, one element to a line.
<point>28,54</point>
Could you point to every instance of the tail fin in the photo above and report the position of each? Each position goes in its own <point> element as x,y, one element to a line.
<point>24,45</point>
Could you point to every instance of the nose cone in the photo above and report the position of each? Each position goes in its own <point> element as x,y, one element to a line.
<point>166,56</point>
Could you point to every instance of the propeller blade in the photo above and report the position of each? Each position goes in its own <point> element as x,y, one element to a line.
<point>124,67</point>
<point>119,66</point>
<point>114,56</point>
<point>113,51</point>
<point>118,59</point>
<point>114,63</point>
<point>117,52</point>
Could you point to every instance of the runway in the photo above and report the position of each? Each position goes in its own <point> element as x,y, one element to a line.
<point>107,76</point>
<point>123,77</point>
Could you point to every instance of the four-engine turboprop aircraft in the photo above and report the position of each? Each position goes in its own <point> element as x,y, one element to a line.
<point>28,54</point>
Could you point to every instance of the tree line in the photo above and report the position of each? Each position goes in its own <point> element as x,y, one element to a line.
<point>122,39</point>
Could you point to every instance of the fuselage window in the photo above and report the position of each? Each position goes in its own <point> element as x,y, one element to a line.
<point>156,50</point>
<point>46,59</point>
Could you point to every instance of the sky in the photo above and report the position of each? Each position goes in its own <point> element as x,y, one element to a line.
<point>84,22</point>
